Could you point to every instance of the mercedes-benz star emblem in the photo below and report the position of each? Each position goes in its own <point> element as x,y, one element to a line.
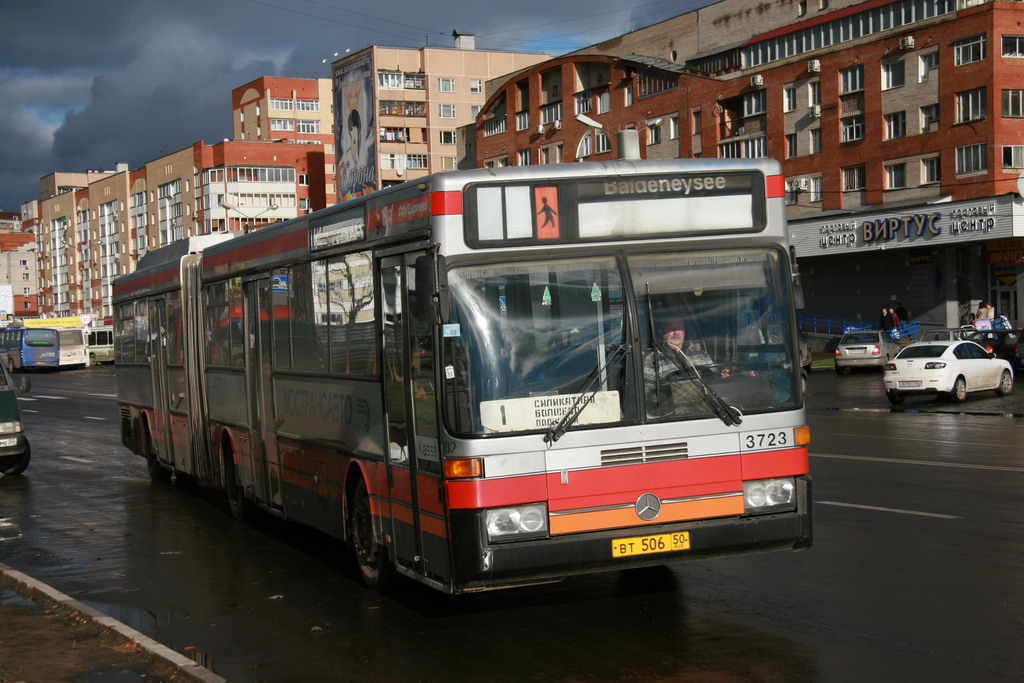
<point>648,506</point>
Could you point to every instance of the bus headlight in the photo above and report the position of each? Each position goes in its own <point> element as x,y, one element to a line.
<point>523,521</point>
<point>10,427</point>
<point>769,495</point>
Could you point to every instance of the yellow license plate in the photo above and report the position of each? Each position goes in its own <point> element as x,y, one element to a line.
<point>645,545</point>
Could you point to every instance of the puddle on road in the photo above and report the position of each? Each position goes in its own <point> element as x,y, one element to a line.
<point>10,597</point>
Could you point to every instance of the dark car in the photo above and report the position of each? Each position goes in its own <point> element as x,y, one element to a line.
<point>1006,344</point>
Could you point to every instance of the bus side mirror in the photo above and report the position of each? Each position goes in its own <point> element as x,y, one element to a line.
<point>433,302</point>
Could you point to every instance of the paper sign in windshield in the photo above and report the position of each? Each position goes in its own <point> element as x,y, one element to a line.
<point>540,412</point>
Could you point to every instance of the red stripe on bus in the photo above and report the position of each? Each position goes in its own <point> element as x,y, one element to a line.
<point>776,186</point>
<point>446,204</point>
<point>487,493</point>
<point>764,464</point>
<point>290,241</point>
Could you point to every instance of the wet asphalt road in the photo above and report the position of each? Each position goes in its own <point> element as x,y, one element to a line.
<point>915,574</point>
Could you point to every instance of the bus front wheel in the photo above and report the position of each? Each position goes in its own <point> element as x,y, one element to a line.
<point>371,556</point>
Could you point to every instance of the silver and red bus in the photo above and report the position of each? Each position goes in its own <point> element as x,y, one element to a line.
<point>460,377</point>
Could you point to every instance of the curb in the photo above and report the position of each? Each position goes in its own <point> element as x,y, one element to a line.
<point>176,659</point>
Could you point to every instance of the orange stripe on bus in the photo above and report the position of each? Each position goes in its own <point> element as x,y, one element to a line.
<point>627,517</point>
<point>433,526</point>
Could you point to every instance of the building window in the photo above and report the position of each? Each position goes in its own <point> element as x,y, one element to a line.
<point>604,102</point>
<point>476,86</point>
<point>447,111</point>
<point>754,103</point>
<point>789,98</point>
<point>1013,156</point>
<point>929,118</point>
<point>390,79</point>
<point>390,134</point>
<point>446,84</point>
<point>896,125</point>
<point>813,93</point>
<point>853,127</point>
<point>551,113</point>
<point>931,170</point>
<point>475,109</point>
<point>791,145</point>
<point>448,163</point>
<point>970,105</point>
<point>1013,104</point>
<point>523,157</point>
<point>604,143</point>
<point>892,75</point>
<point>552,154</point>
<point>896,176</point>
<point>653,133</point>
<point>851,78</point>
<point>303,179</point>
<point>307,105</point>
<point>853,178</point>
<point>967,50</point>
<point>282,124</point>
<point>1013,46</point>
<point>926,64</point>
<point>416,161</point>
<point>584,102</point>
<point>586,146</point>
<point>628,95</point>
<point>309,127</point>
<point>814,137</point>
<point>673,128</point>
<point>280,104</point>
<point>751,148</point>
<point>449,137</point>
<point>815,194</point>
<point>972,158</point>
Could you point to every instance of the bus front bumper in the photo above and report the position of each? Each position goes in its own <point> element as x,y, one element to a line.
<point>481,566</point>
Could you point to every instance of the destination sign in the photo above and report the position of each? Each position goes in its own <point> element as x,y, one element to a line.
<point>602,208</point>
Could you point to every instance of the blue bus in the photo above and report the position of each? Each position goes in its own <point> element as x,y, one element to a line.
<point>43,347</point>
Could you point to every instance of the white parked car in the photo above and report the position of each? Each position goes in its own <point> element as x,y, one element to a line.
<point>952,368</point>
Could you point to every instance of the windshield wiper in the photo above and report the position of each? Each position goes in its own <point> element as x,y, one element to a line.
<point>586,394</point>
<point>725,412</point>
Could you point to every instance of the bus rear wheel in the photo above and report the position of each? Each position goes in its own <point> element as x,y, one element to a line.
<point>371,556</point>
<point>237,503</point>
<point>157,472</point>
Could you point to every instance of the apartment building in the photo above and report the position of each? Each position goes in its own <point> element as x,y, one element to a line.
<point>297,110</point>
<point>899,125</point>
<point>398,111</point>
<point>87,235</point>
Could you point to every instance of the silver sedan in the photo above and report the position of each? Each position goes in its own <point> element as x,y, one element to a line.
<point>864,349</point>
<point>951,368</point>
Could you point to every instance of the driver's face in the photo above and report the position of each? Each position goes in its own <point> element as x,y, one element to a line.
<point>674,337</point>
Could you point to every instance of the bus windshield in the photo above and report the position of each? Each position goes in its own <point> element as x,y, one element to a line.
<point>529,339</point>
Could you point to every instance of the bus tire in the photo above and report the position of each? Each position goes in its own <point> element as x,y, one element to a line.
<point>371,556</point>
<point>237,503</point>
<point>11,465</point>
<point>92,360</point>
<point>157,472</point>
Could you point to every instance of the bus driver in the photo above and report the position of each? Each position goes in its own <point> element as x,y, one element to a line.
<point>669,369</point>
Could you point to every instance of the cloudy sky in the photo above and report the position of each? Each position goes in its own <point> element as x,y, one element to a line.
<point>90,84</point>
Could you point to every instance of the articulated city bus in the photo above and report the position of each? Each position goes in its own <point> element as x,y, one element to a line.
<point>477,379</point>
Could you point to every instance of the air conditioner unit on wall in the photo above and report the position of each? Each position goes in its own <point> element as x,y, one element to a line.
<point>539,130</point>
<point>557,125</point>
<point>800,183</point>
<point>757,80</point>
<point>813,66</point>
<point>816,111</point>
<point>906,42</point>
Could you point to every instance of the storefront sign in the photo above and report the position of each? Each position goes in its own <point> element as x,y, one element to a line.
<point>1005,252</point>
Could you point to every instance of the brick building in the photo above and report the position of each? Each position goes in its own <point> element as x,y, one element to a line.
<point>900,126</point>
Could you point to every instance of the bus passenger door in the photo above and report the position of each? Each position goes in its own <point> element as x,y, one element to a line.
<point>267,478</point>
<point>163,439</point>
<point>414,466</point>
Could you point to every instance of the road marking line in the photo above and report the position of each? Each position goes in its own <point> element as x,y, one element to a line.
<point>898,461</point>
<point>90,417</point>
<point>71,457</point>
<point>881,509</point>
<point>56,398</point>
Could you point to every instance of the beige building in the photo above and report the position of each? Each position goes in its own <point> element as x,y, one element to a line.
<point>398,111</point>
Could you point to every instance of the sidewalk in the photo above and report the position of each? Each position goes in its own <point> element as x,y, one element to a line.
<point>47,636</point>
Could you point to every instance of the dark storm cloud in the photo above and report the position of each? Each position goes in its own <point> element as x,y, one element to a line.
<point>91,84</point>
